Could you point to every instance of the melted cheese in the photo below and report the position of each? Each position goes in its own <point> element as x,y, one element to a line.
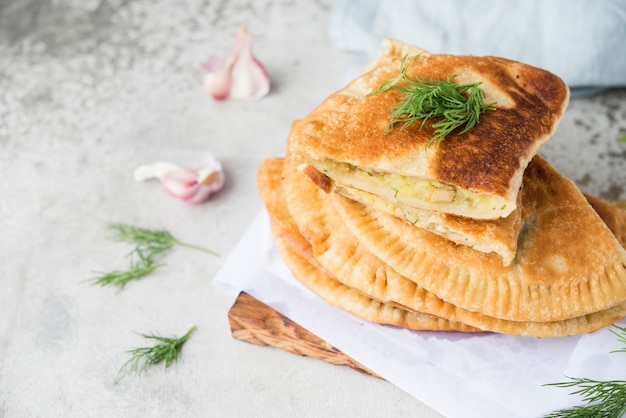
<point>412,191</point>
<point>422,219</point>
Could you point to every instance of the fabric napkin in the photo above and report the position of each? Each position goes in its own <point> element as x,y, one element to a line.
<point>582,41</point>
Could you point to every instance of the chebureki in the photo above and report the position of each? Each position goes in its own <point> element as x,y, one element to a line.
<point>344,141</point>
<point>478,233</point>
<point>497,236</point>
<point>332,252</point>
<point>298,256</point>
<point>568,262</point>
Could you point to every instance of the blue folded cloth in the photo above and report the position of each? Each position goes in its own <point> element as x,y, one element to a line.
<point>582,41</point>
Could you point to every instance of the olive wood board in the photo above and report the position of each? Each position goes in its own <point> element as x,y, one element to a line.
<point>255,322</point>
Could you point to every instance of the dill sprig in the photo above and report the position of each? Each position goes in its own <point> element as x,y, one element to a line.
<point>148,244</point>
<point>120,278</point>
<point>603,399</point>
<point>164,350</point>
<point>456,105</point>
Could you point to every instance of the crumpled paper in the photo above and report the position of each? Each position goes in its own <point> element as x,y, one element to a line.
<point>580,41</point>
<point>486,375</point>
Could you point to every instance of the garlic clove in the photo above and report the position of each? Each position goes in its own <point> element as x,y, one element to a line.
<point>182,185</point>
<point>217,80</point>
<point>191,186</point>
<point>240,76</point>
<point>250,79</point>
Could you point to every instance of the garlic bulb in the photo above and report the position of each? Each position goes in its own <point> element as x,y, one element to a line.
<point>240,75</point>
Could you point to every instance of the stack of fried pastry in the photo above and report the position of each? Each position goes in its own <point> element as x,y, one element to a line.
<point>478,233</point>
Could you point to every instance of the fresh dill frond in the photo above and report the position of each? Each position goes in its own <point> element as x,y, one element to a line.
<point>165,350</point>
<point>122,278</point>
<point>149,242</point>
<point>622,138</point>
<point>391,83</point>
<point>620,333</point>
<point>456,105</point>
<point>606,399</point>
<point>603,399</point>
<point>148,245</point>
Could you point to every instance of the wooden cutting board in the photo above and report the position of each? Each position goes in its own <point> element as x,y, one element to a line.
<point>255,322</point>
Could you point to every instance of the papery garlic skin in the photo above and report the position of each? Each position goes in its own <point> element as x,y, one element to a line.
<point>240,76</point>
<point>191,186</point>
<point>154,171</point>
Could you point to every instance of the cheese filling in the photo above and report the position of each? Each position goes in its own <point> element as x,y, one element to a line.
<point>412,191</point>
<point>407,214</point>
<point>425,220</point>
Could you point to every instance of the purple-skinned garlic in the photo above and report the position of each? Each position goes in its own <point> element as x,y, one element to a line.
<point>240,75</point>
<point>191,186</point>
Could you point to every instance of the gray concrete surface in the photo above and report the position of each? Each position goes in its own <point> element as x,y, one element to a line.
<point>89,90</point>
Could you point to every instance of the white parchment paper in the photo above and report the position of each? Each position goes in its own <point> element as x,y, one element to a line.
<point>457,374</point>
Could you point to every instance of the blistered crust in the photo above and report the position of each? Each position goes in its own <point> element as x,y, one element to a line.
<point>332,252</point>
<point>351,126</point>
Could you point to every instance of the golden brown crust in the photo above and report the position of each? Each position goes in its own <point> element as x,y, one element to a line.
<point>268,176</point>
<point>350,126</point>
<point>338,254</point>
<point>358,304</point>
<point>613,215</point>
<point>489,236</point>
<point>497,236</point>
<point>568,262</point>
<point>569,271</point>
<point>620,203</point>
<point>320,179</point>
<point>297,254</point>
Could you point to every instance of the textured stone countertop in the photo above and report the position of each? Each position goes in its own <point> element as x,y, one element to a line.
<point>89,90</point>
